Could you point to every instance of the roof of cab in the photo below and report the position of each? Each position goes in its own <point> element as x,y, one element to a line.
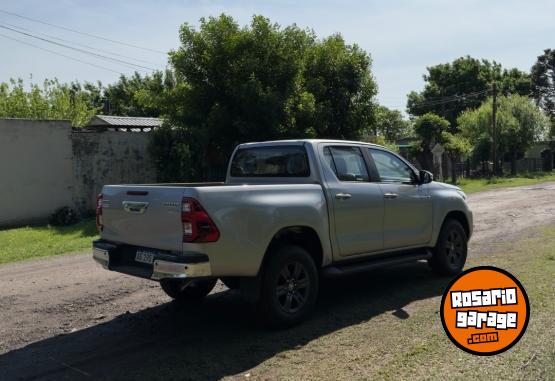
<point>303,141</point>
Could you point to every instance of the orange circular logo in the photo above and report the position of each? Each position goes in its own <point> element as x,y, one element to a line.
<point>485,310</point>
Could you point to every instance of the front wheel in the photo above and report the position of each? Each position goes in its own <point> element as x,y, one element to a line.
<point>449,254</point>
<point>289,286</point>
<point>187,290</point>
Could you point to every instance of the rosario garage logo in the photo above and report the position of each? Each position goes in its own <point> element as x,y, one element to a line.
<point>485,311</point>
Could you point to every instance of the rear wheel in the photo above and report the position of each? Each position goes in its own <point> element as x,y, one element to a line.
<point>187,290</point>
<point>449,254</point>
<point>289,286</point>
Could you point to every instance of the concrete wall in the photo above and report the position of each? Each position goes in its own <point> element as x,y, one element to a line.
<point>35,169</point>
<point>108,157</point>
<point>44,166</point>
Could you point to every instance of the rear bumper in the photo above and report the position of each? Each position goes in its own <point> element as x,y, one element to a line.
<point>121,258</point>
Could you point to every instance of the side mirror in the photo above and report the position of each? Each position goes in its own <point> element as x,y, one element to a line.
<point>425,177</point>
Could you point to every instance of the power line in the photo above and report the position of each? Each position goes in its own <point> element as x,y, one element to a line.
<point>444,100</point>
<point>79,44</point>
<point>116,60</point>
<point>59,54</point>
<point>82,33</point>
<point>450,99</point>
<point>456,97</point>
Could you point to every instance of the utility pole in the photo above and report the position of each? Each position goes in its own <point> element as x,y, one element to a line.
<point>494,130</point>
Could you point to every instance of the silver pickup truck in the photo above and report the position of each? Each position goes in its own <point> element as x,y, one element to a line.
<point>289,213</point>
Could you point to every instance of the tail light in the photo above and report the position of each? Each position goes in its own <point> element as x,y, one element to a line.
<point>197,224</point>
<point>99,224</point>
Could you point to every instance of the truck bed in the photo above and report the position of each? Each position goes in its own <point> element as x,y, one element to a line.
<point>247,216</point>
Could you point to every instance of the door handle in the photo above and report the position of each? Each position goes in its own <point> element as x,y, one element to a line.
<point>390,195</point>
<point>134,207</point>
<point>343,196</point>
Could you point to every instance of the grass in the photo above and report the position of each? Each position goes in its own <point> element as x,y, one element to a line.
<point>34,242</point>
<point>479,185</point>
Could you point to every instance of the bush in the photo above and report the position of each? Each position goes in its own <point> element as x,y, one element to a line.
<point>63,216</point>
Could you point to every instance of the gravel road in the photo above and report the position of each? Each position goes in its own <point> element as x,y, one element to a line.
<point>66,318</point>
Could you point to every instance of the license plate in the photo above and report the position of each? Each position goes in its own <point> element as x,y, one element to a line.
<point>144,257</point>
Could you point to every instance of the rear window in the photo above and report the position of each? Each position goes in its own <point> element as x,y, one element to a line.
<point>273,161</point>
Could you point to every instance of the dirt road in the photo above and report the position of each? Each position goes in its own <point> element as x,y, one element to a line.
<point>66,318</point>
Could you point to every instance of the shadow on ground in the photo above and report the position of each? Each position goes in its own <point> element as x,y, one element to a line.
<point>216,339</point>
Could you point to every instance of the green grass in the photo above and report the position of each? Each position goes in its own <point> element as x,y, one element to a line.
<point>533,358</point>
<point>480,185</point>
<point>34,242</point>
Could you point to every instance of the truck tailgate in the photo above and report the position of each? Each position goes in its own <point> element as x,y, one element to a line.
<point>148,216</point>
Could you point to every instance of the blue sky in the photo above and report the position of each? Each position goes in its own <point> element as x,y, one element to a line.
<point>403,37</point>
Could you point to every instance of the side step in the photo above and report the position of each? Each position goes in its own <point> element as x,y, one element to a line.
<point>349,268</point>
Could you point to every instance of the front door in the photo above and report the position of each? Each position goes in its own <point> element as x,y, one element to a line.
<point>407,204</point>
<point>357,202</point>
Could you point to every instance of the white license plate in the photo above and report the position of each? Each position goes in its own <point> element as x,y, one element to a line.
<point>144,257</point>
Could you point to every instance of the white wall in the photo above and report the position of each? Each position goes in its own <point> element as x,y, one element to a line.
<point>35,169</point>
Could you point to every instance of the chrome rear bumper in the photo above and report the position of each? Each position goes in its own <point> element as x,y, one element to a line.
<point>108,256</point>
<point>165,269</point>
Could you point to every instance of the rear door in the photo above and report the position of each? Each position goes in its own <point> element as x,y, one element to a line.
<point>357,202</point>
<point>148,216</point>
<point>407,205</point>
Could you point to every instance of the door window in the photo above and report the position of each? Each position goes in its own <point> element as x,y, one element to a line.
<point>390,168</point>
<point>347,163</point>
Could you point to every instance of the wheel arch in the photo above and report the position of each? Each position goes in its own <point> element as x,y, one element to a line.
<point>303,236</point>
<point>459,216</point>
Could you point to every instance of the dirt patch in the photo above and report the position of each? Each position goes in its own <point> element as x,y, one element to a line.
<point>503,214</point>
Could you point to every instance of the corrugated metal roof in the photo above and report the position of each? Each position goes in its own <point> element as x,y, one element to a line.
<point>125,121</point>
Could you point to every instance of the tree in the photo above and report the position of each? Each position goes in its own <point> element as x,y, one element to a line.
<point>260,82</point>
<point>429,128</point>
<point>138,95</point>
<point>463,84</point>
<point>520,123</point>
<point>390,124</point>
<point>236,84</point>
<point>51,101</point>
<point>338,77</point>
<point>447,83</point>
<point>456,146</point>
<point>543,82</point>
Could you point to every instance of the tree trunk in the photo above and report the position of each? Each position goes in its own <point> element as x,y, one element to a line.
<point>468,167</point>
<point>513,164</point>
<point>453,168</point>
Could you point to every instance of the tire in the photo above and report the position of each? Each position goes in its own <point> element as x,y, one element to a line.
<point>289,287</point>
<point>449,254</point>
<point>187,290</point>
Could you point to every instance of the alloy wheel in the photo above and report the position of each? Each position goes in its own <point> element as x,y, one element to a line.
<point>454,247</point>
<point>292,287</point>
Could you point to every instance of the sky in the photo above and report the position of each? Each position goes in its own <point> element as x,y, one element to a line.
<point>403,37</point>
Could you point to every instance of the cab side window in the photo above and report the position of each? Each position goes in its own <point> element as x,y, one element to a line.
<point>390,168</point>
<point>347,163</point>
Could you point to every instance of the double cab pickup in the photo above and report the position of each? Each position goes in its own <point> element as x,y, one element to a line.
<point>289,213</point>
